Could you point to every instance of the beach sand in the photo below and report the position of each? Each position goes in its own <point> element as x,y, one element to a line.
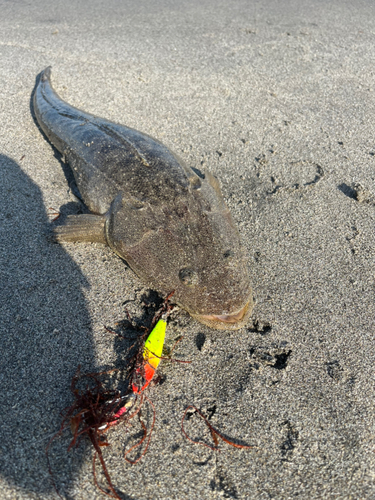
<point>277,99</point>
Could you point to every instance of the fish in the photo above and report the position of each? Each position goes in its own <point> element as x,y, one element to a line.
<point>168,221</point>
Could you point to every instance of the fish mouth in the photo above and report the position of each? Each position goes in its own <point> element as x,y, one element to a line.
<point>232,321</point>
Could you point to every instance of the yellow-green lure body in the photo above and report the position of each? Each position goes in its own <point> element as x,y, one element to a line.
<point>152,353</point>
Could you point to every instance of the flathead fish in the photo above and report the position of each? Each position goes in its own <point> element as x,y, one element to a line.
<point>168,221</point>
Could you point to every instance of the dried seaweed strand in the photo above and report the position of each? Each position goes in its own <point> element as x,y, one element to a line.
<point>214,433</point>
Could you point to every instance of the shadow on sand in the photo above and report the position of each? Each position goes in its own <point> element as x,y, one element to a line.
<point>45,333</point>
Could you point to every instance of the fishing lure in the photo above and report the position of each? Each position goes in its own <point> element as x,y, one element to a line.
<point>144,373</point>
<point>151,357</point>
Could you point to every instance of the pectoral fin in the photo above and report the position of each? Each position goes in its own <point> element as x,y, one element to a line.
<point>83,228</point>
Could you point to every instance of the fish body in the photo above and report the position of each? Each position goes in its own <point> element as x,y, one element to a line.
<point>168,221</point>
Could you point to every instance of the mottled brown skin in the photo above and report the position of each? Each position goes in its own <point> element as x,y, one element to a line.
<point>169,222</point>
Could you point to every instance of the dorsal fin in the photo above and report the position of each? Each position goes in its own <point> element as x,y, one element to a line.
<point>214,183</point>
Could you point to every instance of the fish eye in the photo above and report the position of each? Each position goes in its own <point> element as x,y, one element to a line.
<point>188,276</point>
<point>228,254</point>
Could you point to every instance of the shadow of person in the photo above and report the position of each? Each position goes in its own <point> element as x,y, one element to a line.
<point>45,333</point>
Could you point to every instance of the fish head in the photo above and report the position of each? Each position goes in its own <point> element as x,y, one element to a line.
<point>213,280</point>
<point>188,245</point>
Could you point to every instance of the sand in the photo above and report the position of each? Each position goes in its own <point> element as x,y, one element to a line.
<point>278,100</point>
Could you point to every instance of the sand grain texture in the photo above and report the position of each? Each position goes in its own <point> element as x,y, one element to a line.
<point>278,100</point>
